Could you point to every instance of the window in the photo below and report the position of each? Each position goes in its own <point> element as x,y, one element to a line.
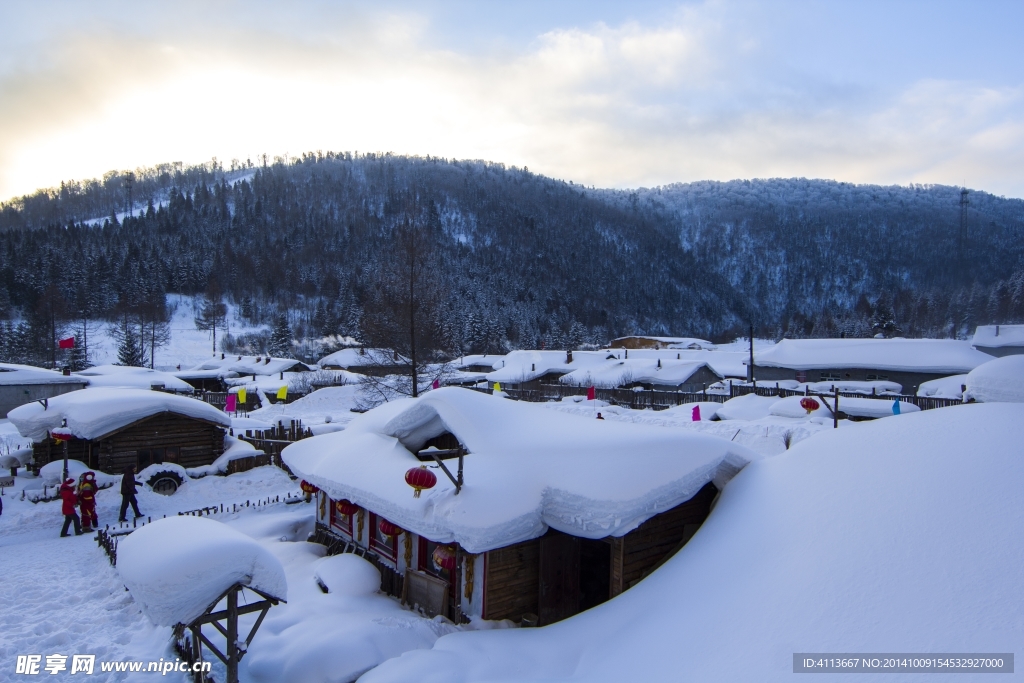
<point>874,378</point>
<point>340,522</point>
<point>426,561</point>
<point>829,377</point>
<point>383,545</point>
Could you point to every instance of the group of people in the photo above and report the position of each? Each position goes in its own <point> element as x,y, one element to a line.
<point>84,496</point>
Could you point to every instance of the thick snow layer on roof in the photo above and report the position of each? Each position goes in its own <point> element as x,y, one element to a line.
<point>478,359</point>
<point>999,380</point>
<point>912,355</point>
<point>330,405</point>
<point>617,373</point>
<point>235,366</point>
<point>127,376</point>
<point>354,357</point>
<point>91,413</point>
<point>176,568</point>
<point>528,468</point>
<point>944,387</point>
<point>840,545</point>
<point>672,342</point>
<point>997,336</point>
<point>523,366</point>
<point>12,373</point>
<point>722,363</point>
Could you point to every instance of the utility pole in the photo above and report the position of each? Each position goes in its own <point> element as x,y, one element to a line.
<point>750,365</point>
<point>129,180</point>
<point>964,203</point>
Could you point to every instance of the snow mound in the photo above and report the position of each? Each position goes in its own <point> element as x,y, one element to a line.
<point>790,407</point>
<point>127,376</point>
<point>874,407</point>
<point>176,568</point>
<point>945,387</point>
<point>528,468</point>
<point>92,413</point>
<point>999,380</point>
<point>347,574</point>
<point>747,407</point>
<point>708,410</point>
<point>811,551</point>
<point>234,448</point>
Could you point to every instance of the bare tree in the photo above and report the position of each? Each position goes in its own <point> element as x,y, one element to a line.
<point>212,313</point>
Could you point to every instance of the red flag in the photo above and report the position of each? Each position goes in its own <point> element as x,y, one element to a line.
<point>436,384</point>
<point>68,343</point>
<point>590,394</point>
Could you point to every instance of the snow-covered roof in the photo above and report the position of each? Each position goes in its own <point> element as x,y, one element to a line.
<point>175,568</point>
<point>1000,380</point>
<point>523,366</point>
<point>355,357</point>
<point>842,545</point>
<point>944,387</point>
<point>911,355</point>
<point>997,336</point>
<point>528,468</point>
<point>12,373</point>
<point>92,413</point>
<point>616,373</point>
<point>722,363</point>
<point>235,366</point>
<point>127,376</point>
<point>477,360</point>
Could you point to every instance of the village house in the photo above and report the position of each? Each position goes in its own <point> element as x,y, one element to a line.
<point>657,374</point>
<point>363,361</point>
<point>21,384</point>
<point>545,514</point>
<point>908,362</point>
<point>647,342</point>
<point>999,340</point>
<point>211,375</point>
<point>109,429</point>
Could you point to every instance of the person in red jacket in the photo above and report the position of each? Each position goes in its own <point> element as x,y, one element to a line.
<point>67,495</point>
<point>87,501</point>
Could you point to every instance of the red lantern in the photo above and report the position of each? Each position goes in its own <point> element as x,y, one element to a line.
<point>809,404</point>
<point>420,478</point>
<point>444,557</point>
<point>307,487</point>
<point>346,507</point>
<point>389,528</point>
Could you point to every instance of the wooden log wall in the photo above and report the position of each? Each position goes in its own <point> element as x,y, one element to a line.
<point>637,553</point>
<point>512,582</point>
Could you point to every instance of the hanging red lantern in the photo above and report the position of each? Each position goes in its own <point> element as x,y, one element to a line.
<point>307,487</point>
<point>420,478</point>
<point>444,557</point>
<point>389,529</point>
<point>809,404</point>
<point>346,507</point>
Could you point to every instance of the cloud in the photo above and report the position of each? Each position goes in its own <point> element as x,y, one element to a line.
<point>700,94</point>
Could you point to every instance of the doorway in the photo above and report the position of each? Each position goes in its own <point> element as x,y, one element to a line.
<point>595,572</point>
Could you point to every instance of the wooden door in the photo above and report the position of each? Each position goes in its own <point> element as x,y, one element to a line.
<point>559,577</point>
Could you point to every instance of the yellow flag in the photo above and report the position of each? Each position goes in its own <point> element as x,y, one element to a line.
<point>282,393</point>
<point>241,395</point>
<point>497,386</point>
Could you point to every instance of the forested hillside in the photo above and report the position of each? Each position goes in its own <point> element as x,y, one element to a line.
<point>489,257</point>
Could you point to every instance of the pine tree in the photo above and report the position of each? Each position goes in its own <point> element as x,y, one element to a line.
<point>129,350</point>
<point>281,338</point>
<point>212,312</point>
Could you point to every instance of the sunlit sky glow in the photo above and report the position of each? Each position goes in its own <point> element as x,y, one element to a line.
<point>606,94</point>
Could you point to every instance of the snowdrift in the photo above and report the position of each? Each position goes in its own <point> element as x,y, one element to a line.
<point>91,413</point>
<point>528,468</point>
<point>175,568</point>
<point>1001,379</point>
<point>893,535</point>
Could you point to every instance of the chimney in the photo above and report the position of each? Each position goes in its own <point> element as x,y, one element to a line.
<point>67,371</point>
<point>533,367</point>
<point>627,353</point>
<point>568,356</point>
<point>267,361</point>
<point>222,357</point>
<point>659,364</point>
<point>997,330</point>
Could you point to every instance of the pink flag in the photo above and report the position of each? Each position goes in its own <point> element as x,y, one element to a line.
<point>696,413</point>
<point>436,384</point>
<point>591,393</point>
<point>230,407</point>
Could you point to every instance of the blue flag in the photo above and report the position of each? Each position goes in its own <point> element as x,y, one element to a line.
<point>896,407</point>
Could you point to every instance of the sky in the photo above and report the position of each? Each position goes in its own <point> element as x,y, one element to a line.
<point>610,94</point>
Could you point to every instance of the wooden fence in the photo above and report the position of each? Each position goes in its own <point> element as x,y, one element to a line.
<point>660,400</point>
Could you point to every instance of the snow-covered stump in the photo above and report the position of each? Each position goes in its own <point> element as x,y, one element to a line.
<point>180,569</point>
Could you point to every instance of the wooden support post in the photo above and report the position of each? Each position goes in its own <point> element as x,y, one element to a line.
<point>835,411</point>
<point>232,636</point>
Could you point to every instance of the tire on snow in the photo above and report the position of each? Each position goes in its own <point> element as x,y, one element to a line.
<point>165,482</point>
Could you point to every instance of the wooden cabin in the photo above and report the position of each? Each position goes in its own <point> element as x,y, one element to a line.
<point>536,582</point>
<point>165,437</point>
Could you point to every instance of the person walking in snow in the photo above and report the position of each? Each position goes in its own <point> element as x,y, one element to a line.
<point>128,485</point>
<point>87,501</point>
<point>67,495</point>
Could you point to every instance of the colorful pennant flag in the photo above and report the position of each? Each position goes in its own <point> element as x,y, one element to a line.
<point>696,414</point>
<point>896,407</point>
<point>229,407</point>
<point>497,386</point>
<point>68,343</point>
<point>436,384</point>
<point>591,394</point>
<point>241,395</point>
<point>282,393</point>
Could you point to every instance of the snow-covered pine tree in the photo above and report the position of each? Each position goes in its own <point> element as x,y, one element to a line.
<point>129,349</point>
<point>281,337</point>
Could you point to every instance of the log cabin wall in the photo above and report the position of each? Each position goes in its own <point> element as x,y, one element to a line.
<point>174,438</point>
<point>512,581</point>
<point>639,552</point>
